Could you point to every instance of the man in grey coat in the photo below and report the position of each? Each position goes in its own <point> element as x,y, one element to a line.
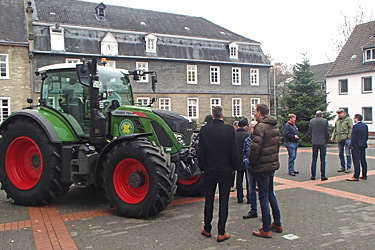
<point>319,139</point>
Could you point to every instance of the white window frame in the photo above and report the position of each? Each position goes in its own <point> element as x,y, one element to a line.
<point>151,43</point>
<point>143,101</point>
<point>369,55</point>
<point>363,84</point>
<point>4,63</point>
<point>72,60</point>
<point>57,39</point>
<point>192,106</point>
<point>253,105</point>
<point>364,117</point>
<point>111,64</point>
<point>236,76</point>
<point>214,102</point>
<point>236,107</point>
<point>233,51</point>
<point>163,105</point>
<point>254,77</point>
<point>3,107</point>
<point>215,75</point>
<point>347,87</point>
<point>142,66</point>
<point>192,74</point>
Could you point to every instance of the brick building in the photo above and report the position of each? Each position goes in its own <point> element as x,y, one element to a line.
<point>199,64</point>
<point>15,80</point>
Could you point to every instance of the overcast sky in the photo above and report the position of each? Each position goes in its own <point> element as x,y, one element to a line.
<point>285,28</point>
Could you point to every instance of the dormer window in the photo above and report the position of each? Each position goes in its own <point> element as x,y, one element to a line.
<point>57,38</point>
<point>233,51</point>
<point>370,55</point>
<point>100,12</point>
<point>151,43</point>
<point>109,45</point>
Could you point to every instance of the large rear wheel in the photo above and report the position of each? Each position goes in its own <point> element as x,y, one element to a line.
<point>30,165</point>
<point>138,179</point>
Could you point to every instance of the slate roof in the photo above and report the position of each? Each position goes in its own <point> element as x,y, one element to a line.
<point>129,19</point>
<point>350,59</point>
<point>320,71</point>
<point>13,22</point>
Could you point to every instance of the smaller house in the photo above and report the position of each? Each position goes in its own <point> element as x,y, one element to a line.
<point>350,80</point>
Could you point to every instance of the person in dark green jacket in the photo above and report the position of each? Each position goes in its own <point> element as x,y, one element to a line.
<point>341,134</point>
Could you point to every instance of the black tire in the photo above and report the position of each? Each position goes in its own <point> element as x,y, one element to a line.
<point>155,183</point>
<point>191,187</point>
<point>30,165</point>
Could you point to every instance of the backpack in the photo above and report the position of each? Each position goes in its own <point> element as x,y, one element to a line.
<point>246,152</point>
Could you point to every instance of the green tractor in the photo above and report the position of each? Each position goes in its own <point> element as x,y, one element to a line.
<point>88,131</point>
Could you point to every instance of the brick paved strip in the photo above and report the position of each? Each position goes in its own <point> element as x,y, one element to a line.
<point>49,229</point>
<point>88,214</point>
<point>15,225</point>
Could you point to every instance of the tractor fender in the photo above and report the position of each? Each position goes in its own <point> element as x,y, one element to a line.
<point>112,144</point>
<point>39,118</point>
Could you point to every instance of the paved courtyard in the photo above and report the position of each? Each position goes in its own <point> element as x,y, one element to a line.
<point>334,214</point>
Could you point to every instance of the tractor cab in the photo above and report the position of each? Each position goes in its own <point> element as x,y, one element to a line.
<point>63,91</point>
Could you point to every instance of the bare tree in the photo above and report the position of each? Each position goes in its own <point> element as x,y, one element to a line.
<point>347,27</point>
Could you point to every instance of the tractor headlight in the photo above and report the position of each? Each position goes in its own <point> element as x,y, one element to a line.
<point>180,139</point>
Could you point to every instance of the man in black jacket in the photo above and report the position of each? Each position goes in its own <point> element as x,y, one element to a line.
<point>241,135</point>
<point>319,138</point>
<point>217,156</point>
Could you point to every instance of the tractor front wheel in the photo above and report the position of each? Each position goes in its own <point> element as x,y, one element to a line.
<point>138,179</point>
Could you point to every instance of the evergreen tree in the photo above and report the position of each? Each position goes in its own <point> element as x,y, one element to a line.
<point>303,98</point>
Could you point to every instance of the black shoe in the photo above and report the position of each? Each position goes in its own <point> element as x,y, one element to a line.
<point>292,174</point>
<point>312,178</point>
<point>324,178</point>
<point>341,170</point>
<point>250,215</point>
<point>240,200</point>
<point>248,201</point>
<point>296,172</point>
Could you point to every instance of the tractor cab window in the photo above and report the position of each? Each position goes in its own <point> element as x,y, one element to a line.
<point>62,91</point>
<point>115,88</point>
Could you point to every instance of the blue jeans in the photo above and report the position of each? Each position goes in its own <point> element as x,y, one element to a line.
<point>292,152</point>
<point>267,197</point>
<point>359,159</point>
<point>345,144</point>
<point>323,152</point>
<point>253,194</point>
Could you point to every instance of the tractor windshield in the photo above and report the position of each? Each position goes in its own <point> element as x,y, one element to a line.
<point>115,86</point>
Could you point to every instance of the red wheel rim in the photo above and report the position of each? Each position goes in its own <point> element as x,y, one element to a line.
<point>24,163</point>
<point>124,190</point>
<point>190,180</point>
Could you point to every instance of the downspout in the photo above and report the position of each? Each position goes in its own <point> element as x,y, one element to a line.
<point>29,11</point>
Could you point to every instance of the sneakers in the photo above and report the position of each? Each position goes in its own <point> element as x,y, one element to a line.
<point>223,237</point>
<point>277,229</point>
<point>206,234</point>
<point>250,215</point>
<point>292,174</point>
<point>348,170</point>
<point>341,170</point>
<point>261,233</point>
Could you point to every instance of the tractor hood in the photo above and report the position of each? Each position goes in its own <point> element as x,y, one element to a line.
<point>177,122</point>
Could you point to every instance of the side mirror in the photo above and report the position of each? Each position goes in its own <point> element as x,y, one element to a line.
<point>83,74</point>
<point>154,80</point>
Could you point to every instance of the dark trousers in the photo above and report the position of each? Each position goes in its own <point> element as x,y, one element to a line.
<point>266,198</point>
<point>359,158</point>
<point>210,183</point>
<point>323,151</point>
<point>239,183</point>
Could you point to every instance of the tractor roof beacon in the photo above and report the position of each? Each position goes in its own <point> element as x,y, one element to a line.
<point>87,130</point>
